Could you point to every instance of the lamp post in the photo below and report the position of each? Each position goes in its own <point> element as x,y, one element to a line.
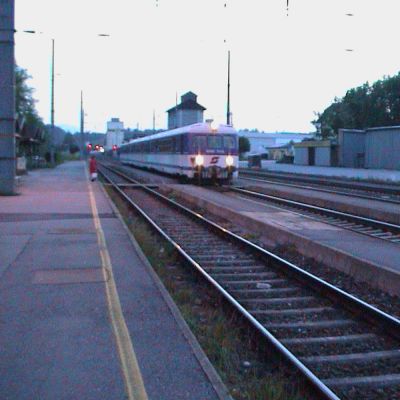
<point>7,102</point>
<point>51,141</point>
<point>82,130</point>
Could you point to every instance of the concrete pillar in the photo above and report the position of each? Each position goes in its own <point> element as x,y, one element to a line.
<point>7,98</point>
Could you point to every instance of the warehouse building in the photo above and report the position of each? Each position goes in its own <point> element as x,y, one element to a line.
<point>375,148</point>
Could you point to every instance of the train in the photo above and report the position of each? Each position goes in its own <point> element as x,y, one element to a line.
<point>197,152</point>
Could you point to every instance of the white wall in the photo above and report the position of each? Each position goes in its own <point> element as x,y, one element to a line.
<point>259,141</point>
<point>301,155</point>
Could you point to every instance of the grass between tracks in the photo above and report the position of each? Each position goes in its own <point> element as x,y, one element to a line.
<point>245,366</point>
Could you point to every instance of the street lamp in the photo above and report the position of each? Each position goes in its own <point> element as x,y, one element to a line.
<point>52,161</point>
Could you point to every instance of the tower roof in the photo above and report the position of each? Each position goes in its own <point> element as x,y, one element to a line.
<point>188,102</point>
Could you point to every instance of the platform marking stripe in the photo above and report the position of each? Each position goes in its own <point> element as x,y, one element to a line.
<point>129,365</point>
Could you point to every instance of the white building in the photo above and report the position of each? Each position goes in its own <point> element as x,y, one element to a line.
<point>115,133</point>
<point>261,142</point>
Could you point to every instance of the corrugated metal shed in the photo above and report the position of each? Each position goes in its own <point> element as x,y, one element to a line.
<point>313,152</point>
<point>376,148</point>
<point>352,144</point>
<point>383,148</point>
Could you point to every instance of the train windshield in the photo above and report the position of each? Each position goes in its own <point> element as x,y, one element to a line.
<point>200,142</point>
<point>214,142</point>
<point>229,142</point>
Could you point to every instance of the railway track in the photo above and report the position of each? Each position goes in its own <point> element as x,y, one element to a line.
<point>371,191</point>
<point>344,347</point>
<point>366,226</point>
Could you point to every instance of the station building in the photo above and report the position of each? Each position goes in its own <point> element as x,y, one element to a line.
<point>186,113</point>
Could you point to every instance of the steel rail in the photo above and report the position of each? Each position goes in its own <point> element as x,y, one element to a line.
<point>352,303</point>
<point>317,384</point>
<point>319,189</point>
<point>334,213</point>
<point>393,188</point>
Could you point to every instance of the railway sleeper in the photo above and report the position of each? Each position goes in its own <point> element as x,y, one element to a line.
<point>353,358</point>
<point>324,340</point>
<point>269,282</point>
<point>271,303</point>
<point>262,295</point>
<point>216,270</point>
<point>300,316</point>
<point>241,274</point>
<point>235,262</point>
<point>291,311</point>
<point>361,367</point>
<point>376,380</point>
<point>347,344</point>
<point>246,275</point>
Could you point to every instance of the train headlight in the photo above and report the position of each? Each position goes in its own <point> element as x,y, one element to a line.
<point>229,161</point>
<point>199,160</point>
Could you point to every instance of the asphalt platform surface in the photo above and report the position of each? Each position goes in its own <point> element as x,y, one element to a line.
<point>57,340</point>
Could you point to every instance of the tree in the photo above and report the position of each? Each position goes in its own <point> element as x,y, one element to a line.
<point>363,106</point>
<point>244,145</point>
<point>24,101</point>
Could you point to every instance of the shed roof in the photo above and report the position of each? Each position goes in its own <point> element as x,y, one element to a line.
<point>314,143</point>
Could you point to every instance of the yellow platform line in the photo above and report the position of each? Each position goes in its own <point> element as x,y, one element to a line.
<point>130,368</point>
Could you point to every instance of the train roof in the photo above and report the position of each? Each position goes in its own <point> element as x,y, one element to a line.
<point>203,127</point>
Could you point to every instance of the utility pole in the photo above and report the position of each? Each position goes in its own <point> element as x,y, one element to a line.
<point>7,103</point>
<point>154,121</point>
<point>228,111</point>
<point>82,128</point>
<point>52,161</point>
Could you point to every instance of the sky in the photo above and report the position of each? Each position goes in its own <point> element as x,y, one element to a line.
<point>285,64</point>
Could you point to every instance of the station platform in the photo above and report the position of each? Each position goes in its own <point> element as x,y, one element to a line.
<point>366,258</point>
<point>82,314</point>
<point>379,175</point>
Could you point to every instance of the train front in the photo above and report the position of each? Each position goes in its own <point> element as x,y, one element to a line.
<point>214,154</point>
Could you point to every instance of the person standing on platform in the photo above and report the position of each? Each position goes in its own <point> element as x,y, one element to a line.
<point>93,168</point>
